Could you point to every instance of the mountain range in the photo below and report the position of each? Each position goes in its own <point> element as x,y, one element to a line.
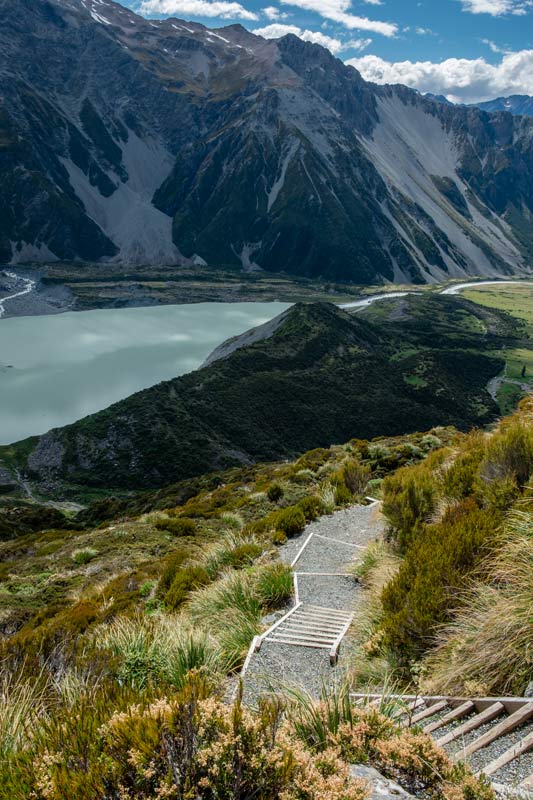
<point>142,141</point>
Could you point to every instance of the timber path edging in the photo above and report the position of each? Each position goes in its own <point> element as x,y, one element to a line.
<point>301,648</point>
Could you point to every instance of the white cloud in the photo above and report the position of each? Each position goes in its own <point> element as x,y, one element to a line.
<point>198,8</point>
<point>497,8</point>
<point>339,11</point>
<point>460,79</point>
<point>272,12</point>
<point>357,44</point>
<point>277,30</point>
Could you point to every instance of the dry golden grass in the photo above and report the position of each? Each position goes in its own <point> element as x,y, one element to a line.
<point>487,648</point>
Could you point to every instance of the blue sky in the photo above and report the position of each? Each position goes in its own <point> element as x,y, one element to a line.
<point>469,50</point>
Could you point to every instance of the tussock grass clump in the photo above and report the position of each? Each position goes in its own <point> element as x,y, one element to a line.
<point>23,706</point>
<point>487,647</point>
<point>185,581</point>
<point>84,556</point>
<point>275,492</point>
<point>232,608</point>
<point>177,526</point>
<point>158,648</point>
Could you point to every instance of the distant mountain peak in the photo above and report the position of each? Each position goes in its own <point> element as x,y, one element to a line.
<point>165,142</point>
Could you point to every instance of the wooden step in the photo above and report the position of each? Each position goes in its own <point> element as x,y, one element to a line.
<point>490,713</point>
<point>300,637</point>
<point>505,726</point>
<point>412,706</point>
<point>429,711</point>
<point>513,752</point>
<point>461,711</point>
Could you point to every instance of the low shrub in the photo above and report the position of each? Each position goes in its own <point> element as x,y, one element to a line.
<point>279,538</point>
<point>430,582</point>
<point>312,507</point>
<point>487,646</point>
<point>314,459</point>
<point>410,498</point>
<point>343,496</point>
<point>275,492</point>
<point>291,521</point>
<point>355,476</point>
<point>185,581</point>
<point>177,526</point>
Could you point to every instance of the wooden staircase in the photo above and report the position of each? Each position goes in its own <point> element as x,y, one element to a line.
<point>493,734</point>
<point>310,626</point>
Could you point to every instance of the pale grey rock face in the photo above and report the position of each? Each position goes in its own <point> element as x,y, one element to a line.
<point>381,788</point>
<point>163,142</point>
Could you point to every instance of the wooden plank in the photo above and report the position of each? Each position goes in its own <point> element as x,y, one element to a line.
<point>298,637</point>
<point>458,712</point>
<point>505,726</point>
<point>513,752</point>
<point>429,711</point>
<point>408,707</point>
<point>333,611</point>
<point>332,632</point>
<point>334,652</point>
<point>273,627</point>
<point>299,644</point>
<point>527,783</point>
<point>474,722</point>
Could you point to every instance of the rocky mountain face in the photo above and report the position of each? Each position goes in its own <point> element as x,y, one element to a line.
<point>313,376</point>
<point>163,142</point>
<point>521,104</point>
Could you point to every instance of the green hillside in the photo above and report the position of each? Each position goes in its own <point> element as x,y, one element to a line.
<point>324,376</point>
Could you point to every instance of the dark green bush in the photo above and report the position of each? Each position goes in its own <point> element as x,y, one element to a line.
<point>312,506</point>
<point>343,495</point>
<point>185,580</point>
<point>275,492</point>
<point>314,459</point>
<point>291,521</point>
<point>430,582</point>
<point>410,498</point>
<point>178,526</point>
<point>356,476</point>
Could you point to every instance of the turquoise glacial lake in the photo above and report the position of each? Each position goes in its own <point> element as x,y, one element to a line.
<point>57,369</point>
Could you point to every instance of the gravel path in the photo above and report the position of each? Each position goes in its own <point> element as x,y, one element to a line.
<point>333,544</point>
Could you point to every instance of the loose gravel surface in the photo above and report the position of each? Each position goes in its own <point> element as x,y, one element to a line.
<point>328,592</point>
<point>356,525</point>
<point>331,549</point>
<point>487,754</point>
<point>278,667</point>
